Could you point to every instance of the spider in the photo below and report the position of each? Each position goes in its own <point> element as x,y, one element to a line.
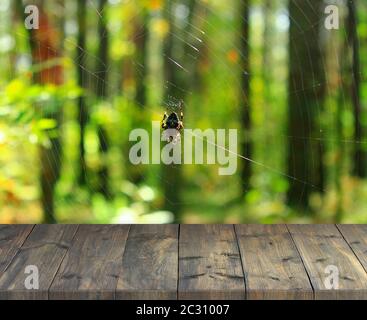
<point>172,122</point>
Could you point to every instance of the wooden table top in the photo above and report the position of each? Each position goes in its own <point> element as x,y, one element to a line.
<point>184,261</point>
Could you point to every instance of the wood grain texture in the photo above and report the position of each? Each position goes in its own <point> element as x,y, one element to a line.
<point>186,262</point>
<point>356,236</point>
<point>91,266</point>
<point>273,267</point>
<point>150,263</point>
<point>321,246</point>
<point>11,239</point>
<point>45,248</point>
<point>209,263</point>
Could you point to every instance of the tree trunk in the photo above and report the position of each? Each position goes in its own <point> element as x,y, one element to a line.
<point>177,49</point>
<point>245,97</point>
<point>339,212</point>
<point>44,48</point>
<point>306,95</point>
<point>172,174</point>
<point>101,91</point>
<point>141,57</point>
<point>341,97</point>
<point>359,152</point>
<point>267,55</point>
<point>82,77</point>
<point>139,62</point>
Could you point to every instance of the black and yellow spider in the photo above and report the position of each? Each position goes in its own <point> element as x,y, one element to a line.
<point>172,121</point>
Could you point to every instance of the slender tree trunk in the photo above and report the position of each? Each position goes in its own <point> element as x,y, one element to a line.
<point>306,95</point>
<point>141,59</point>
<point>44,48</point>
<point>267,47</point>
<point>101,91</point>
<point>343,66</point>
<point>245,98</point>
<point>359,153</point>
<point>267,55</point>
<point>82,78</point>
<point>172,174</point>
<point>178,82</point>
<point>340,147</point>
<point>140,37</point>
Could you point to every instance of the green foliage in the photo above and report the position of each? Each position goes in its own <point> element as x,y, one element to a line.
<point>132,205</point>
<point>29,107</point>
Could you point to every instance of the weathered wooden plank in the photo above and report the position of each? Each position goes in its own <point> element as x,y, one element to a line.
<point>11,239</point>
<point>273,268</point>
<point>149,264</point>
<point>44,248</point>
<point>356,236</point>
<point>209,263</point>
<point>322,247</point>
<point>91,266</point>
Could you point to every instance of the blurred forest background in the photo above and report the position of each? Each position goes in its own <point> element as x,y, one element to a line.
<point>71,92</point>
